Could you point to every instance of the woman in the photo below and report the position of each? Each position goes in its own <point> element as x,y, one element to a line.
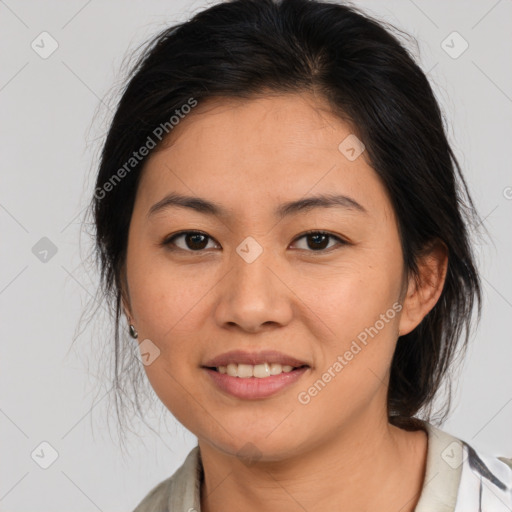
<point>284,225</point>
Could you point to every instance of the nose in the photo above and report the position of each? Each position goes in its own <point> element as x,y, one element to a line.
<point>254,295</point>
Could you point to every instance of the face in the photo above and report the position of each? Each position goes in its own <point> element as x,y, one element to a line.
<point>252,279</point>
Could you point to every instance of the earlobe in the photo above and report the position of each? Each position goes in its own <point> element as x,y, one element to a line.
<point>424,288</point>
<point>125,304</point>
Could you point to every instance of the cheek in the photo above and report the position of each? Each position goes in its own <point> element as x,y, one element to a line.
<point>165,297</point>
<point>348,298</point>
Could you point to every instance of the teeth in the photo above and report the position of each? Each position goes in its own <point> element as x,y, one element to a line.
<point>260,371</point>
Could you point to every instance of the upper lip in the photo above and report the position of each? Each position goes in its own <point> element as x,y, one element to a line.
<point>263,356</point>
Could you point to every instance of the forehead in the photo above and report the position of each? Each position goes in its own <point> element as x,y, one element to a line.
<point>248,152</point>
<point>291,125</point>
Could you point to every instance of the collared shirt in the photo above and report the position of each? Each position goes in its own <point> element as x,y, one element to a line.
<point>457,478</point>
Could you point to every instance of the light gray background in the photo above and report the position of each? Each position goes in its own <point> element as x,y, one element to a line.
<point>49,144</point>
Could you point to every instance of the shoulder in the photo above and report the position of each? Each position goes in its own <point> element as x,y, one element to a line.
<point>486,481</point>
<point>178,492</point>
<point>462,478</point>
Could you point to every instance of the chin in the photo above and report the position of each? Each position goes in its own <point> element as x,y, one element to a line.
<point>254,446</point>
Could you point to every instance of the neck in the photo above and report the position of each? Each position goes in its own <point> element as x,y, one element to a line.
<point>367,466</point>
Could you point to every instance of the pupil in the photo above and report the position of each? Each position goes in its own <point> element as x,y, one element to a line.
<point>317,239</point>
<point>195,237</point>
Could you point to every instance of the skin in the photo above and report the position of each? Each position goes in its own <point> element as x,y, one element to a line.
<point>250,156</point>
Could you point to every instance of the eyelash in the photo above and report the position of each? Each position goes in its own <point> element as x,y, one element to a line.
<point>169,241</point>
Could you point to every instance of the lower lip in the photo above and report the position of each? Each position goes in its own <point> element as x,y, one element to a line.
<point>252,387</point>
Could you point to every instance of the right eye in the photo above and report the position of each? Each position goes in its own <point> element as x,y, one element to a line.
<point>193,241</point>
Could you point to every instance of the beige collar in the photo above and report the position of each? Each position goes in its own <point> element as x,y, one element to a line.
<point>443,472</point>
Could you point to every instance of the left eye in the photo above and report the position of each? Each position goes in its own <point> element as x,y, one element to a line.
<point>195,241</point>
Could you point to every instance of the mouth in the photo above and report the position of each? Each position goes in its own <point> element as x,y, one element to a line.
<point>258,371</point>
<point>254,375</point>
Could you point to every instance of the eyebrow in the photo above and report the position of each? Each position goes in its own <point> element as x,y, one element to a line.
<point>207,207</point>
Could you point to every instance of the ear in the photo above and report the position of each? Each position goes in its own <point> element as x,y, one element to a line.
<point>424,289</point>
